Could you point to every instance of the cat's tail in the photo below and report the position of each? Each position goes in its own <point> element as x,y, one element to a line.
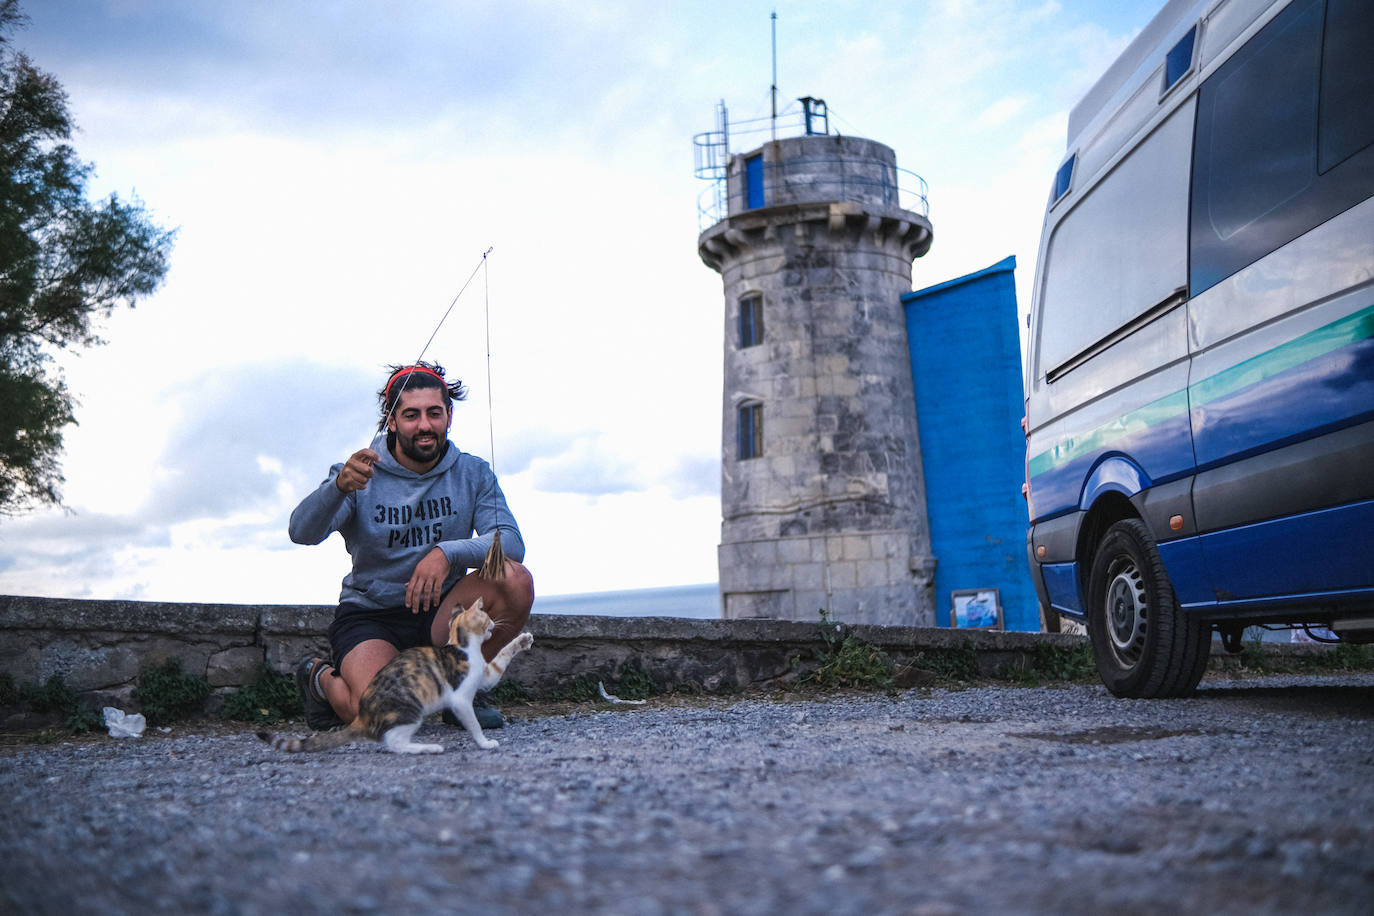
<point>320,741</point>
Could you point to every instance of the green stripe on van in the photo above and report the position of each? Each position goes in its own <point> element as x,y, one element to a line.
<point>1312,345</point>
<point>1142,418</point>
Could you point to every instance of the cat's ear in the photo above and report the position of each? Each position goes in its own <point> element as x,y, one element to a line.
<point>476,605</point>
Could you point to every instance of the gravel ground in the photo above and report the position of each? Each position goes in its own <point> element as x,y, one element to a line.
<point>1254,796</point>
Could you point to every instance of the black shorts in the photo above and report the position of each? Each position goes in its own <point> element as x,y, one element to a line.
<point>398,626</point>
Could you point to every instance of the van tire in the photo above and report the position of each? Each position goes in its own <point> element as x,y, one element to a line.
<point>1144,645</point>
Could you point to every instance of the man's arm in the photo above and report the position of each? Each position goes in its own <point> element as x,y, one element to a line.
<point>491,514</point>
<point>323,511</point>
<point>320,514</point>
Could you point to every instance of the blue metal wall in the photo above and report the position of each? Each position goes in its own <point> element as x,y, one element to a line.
<point>966,365</point>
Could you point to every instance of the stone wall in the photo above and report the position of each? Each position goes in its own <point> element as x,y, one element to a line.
<point>101,646</point>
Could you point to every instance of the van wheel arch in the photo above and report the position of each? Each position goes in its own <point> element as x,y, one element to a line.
<point>1110,508</point>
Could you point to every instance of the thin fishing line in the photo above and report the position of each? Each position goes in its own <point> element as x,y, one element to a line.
<point>491,413</point>
<point>480,265</point>
<point>391,407</point>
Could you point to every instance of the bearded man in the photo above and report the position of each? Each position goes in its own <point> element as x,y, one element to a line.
<point>416,514</point>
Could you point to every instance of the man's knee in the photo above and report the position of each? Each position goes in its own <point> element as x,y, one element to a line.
<point>519,586</point>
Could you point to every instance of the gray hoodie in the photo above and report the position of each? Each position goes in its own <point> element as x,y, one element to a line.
<point>400,515</point>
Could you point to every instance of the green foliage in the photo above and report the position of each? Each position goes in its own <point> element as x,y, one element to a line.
<point>509,691</point>
<point>578,689</point>
<point>54,696</point>
<point>272,698</point>
<point>1257,656</point>
<point>632,683</point>
<point>1350,657</point>
<point>844,661</point>
<point>957,664</point>
<point>64,262</point>
<point>1053,664</point>
<point>165,693</point>
<point>853,664</point>
<point>84,719</point>
<point>1253,655</point>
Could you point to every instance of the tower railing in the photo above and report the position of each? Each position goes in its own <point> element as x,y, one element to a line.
<point>814,180</point>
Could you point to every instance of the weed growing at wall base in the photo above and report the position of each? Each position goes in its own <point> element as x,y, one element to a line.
<point>844,661</point>
<point>508,691</point>
<point>271,699</point>
<point>955,664</point>
<point>1258,657</point>
<point>165,693</point>
<point>630,682</point>
<point>55,697</point>
<point>1051,664</point>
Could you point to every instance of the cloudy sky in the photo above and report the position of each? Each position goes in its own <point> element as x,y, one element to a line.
<point>336,171</point>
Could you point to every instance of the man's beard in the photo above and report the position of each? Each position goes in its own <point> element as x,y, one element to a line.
<point>420,454</point>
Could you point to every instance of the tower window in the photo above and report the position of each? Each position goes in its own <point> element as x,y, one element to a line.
<point>750,321</point>
<point>753,182</point>
<point>749,432</point>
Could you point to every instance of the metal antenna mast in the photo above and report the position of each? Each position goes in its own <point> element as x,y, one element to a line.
<point>774,25</point>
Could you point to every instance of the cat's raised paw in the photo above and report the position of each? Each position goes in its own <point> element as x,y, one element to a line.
<point>523,641</point>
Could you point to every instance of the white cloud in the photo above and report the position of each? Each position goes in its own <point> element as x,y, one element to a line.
<point>1000,112</point>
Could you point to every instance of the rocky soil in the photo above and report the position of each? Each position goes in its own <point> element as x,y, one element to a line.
<point>1254,796</point>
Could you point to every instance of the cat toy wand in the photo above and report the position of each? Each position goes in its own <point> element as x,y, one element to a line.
<point>493,566</point>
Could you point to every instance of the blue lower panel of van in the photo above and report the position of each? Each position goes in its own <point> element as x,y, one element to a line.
<point>1324,552</point>
<point>1312,558</point>
<point>1061,584</point>
<point>1187,571</point>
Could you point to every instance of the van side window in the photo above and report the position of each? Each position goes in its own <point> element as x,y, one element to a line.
<point>1063,179</point>
<point>1122,250</point>
<point>1179,60</point>
<point>1347,103</point>
<point>1257,184</point>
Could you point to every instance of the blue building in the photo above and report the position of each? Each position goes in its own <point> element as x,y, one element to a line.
<point>966,369</point>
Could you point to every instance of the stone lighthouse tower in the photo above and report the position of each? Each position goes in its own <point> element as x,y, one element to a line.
<point>822,494</point>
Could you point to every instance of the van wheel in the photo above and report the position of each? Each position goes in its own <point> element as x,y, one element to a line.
<point>1144,644</point>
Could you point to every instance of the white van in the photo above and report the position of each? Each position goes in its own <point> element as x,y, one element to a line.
<point>1200,371</point>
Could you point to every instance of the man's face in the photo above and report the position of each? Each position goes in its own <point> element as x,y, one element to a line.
<point>421,424</point>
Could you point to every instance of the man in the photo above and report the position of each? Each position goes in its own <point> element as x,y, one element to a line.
<point>408,509</point>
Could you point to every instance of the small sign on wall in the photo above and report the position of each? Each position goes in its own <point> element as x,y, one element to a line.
<point>976,609</point>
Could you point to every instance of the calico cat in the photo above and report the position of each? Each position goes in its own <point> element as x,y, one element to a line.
<point>418,682</point>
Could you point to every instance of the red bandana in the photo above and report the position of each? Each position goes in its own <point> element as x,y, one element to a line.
<point>406,371</point>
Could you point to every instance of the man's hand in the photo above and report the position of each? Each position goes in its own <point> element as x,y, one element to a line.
<point>425,588</point>
<point>357,471</point>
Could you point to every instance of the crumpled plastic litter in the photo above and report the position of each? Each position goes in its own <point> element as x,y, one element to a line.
<point>612,698</point>
<point>122,725</point>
